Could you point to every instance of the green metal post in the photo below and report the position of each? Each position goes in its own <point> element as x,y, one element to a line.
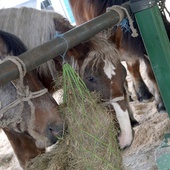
<point>158,48</point>
<point>157,45</point>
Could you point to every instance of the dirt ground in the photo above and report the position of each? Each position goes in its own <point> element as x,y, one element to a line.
<point>142,153</point>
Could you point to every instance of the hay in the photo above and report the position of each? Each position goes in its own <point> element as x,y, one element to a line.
<point>91,141</point>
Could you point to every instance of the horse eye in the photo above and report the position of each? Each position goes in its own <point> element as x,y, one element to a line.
<point>91,79</point>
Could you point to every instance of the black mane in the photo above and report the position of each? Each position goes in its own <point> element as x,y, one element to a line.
<point>14,45</point>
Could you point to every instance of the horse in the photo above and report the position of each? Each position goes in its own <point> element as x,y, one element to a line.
<point>29,115</point>
<point>97,62</point>
<point>92,59</point>
<point>132,49</point>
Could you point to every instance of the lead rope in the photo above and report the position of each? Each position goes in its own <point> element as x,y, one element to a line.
<point>24,95</point>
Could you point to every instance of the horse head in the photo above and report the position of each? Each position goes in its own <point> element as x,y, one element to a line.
<point>97,62</point>
<point>38,117</point>
<point>29,115</point>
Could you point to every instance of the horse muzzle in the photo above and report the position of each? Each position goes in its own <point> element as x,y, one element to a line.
<point>53,134</point>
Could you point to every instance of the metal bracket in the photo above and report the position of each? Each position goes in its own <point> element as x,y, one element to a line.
<point>139,5</point>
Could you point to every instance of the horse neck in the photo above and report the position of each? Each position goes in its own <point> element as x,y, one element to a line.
<point>24,146</point>
<point>101,5</point>
<point>91,8</point>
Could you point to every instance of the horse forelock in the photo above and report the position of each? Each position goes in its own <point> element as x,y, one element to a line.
<point>62,25</point>
<point>47,69</point>
<point>101,50</point>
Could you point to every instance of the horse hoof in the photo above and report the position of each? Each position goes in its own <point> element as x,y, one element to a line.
<point>134,123</point>
<point>130,99</point>
<point>143,94</point>
<point>161,108</point>
<point>145,98</point>
<point>125,140</point>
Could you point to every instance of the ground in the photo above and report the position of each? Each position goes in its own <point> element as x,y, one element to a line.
<point>149,135</point>
<point>142,154</point>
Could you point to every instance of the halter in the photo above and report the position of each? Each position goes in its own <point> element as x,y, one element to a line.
<point>23,95</point>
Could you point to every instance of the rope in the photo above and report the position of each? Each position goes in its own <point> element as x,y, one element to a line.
<point>23,95</point>
<point>121,10</point>
<point>62,37</point>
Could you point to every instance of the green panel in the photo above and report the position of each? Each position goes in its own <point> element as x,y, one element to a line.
<point>162,154</point>
<point>158,48</point>
<point>164,162</point>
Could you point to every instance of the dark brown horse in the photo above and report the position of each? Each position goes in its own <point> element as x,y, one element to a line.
<point>30,122</point>
<point>96,60</point>
<point>132,49</point>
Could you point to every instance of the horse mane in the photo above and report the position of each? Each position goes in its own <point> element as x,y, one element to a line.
<point>33,27</point>
<point>29,24</point>
<point>62,25</point>
<point>13,44</point>
<point>100,50</point>
<point>101,5</point>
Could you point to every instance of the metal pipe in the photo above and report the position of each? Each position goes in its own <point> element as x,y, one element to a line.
<point>37,56</point>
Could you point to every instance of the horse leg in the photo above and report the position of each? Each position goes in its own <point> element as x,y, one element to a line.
<point>127,98</point>
<point>121,105</point>
<point>153,86</point>
<point>142,92</point>
<point>126,132</point>
<point>23,146</point>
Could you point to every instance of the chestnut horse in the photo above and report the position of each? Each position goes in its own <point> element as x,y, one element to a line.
<point>92,59</point>
<point>30,123</point>
<point>132,49</point>
<point>97,62</point>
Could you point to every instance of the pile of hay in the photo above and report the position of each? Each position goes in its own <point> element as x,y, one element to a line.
<point>91,141</point>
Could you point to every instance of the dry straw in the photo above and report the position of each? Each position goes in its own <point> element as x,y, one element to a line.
<point>91,139</point>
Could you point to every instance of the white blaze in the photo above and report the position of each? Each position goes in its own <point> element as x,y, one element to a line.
<point>109,69</point>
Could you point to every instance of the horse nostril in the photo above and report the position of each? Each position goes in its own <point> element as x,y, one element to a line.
<point>56,132</point>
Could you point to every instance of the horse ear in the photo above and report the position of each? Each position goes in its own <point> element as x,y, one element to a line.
<point>79,52</point>
<point>62,25</point>
<point>117,37</point>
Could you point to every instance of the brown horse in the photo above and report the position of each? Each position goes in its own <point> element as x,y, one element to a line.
<point>97,62</point>
<point>132,49</point>
<point>101,71</point>
<point>30,123</point>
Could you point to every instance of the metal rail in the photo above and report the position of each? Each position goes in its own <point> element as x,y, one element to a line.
<point>57,46</point>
